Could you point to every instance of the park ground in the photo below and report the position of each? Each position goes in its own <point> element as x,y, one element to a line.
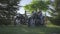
<point>24,29</point>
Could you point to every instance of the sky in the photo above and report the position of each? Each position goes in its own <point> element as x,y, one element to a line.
<point>23,3</point>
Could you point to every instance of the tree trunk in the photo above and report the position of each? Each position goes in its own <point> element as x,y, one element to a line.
<point>45,19</point>
<point>25,17</point>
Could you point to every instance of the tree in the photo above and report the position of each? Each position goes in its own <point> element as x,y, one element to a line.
<point>56,19</point>
<point>8,10</point>
<point>35,5</point>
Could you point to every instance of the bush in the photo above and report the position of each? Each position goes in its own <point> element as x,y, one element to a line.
<point>55,21</point>
<point>5,22</point>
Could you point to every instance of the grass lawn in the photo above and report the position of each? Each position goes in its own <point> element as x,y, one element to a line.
<point>23,29</point>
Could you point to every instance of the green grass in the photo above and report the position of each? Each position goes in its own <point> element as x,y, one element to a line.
<point>23,29</point>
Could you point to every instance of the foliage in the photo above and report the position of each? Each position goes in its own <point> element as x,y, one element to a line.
<point>37,4</point>
<point>8,10</point>
<point>56,18</point>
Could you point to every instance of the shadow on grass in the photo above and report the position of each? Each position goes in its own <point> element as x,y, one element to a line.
<point>29,30</point>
